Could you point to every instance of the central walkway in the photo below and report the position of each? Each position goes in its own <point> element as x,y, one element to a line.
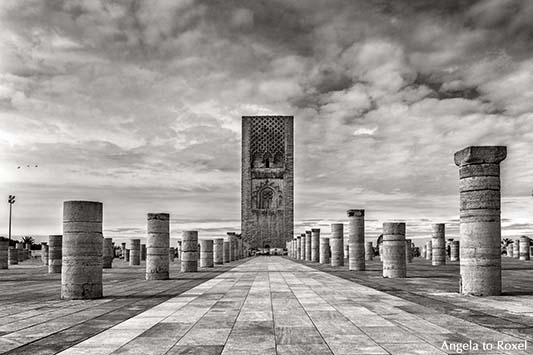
<point>271,305</point>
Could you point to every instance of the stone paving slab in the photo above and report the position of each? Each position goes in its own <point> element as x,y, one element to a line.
<point>264,305</point>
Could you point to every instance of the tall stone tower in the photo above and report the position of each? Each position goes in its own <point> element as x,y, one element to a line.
<point>267,180</point>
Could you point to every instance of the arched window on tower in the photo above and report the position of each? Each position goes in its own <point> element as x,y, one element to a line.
<point>266,197</point>
<point>267,160</point>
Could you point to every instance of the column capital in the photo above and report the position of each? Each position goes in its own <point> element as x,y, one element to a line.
<point>480,155</point>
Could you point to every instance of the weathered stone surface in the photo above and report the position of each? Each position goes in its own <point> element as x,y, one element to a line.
<point>127,255</point>
<point>206,253</point>
<point>369,251</point>
<point>324,251</point>
<point>157,246</point>
<point>454,251</point>
<point>516,249</point>
<point>135,252</point>
<point>20,252</point>
<point>356,240</point>
<point>480,226</point>
<point>189,243</point>
<point>4,258</point>
<point>107,253</point>
<point>308,245</point>
<point>336,242</point>
<point>304,246</point>
<point>218,251</point>
<point>143,252</point>
<point>408,252</point>
<point>429,250</point>
<point>524,248</point>
<point>55,243</point>
<point>226,247</point>
<point>315,244</point>
<point>267,181</point>
<point>394,261</point>
<point>298,248</point>
<point>81,270</point>
<point>438,242</point>
<point>13,256</point>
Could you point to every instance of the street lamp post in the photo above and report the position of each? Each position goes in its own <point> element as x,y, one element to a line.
<point>11,201</point>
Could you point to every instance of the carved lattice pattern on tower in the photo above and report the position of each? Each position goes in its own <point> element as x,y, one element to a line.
<point>267,144</point>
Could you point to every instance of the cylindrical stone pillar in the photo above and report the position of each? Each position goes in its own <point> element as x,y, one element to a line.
<point>454,251</point>
<point>429,250</point>
<point>369,251</point>
<point>107,253</point>
<point>81,272</point>
<point>123,250</point>
<point>178,250</point>
<point>171,254</point>
<point>20,251</point>
<point>226,252</point>
<point>143,252</point>
<point>380,248</point>
<point>44,253</point>
<point>4,258</point>
<point>408,255</point>
<point>218,250</point>
<point>356,240</point>
<point>304,247</point>
<point>438,243</point>
<point>480,225</point>
<point>127,256</point>
<point>157,244</point>
<point>315,244</point>
<point>13,256</point>
<point>206,253</point>
<point>394,261</point>
<point>135,252</point>
<point>424,251</point>
<point>231,240</point>
<point>509,250</point>
<point>346,246</point>
<point>55,258</point>
<point>308,245</point>
<point>516,249</point>
<point>324,251</point>
<point>298,248</point>
<point>336,242</point>
<point>524,248</point>
<point>189,256</point>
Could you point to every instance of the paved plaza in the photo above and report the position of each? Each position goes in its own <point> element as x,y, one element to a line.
<point>267,305</point>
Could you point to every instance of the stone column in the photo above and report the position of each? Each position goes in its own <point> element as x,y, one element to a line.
<point>240,253</point>
<point>44,253</point>
<point>315,243</point>
<point>189,256</point>
<point>480,226</point>
<point>408,252</point>
<point>171,254</point>
<point>308,245</point>
<point>231,246</point>
<point>127,259</point>
<point>298,248</point>
<point>524,248</point>
<point>424,251</point>
<point>178,250</point>
<point>369,251</point>
<point>429,250</point>
<point>218,249</point>
<point>107,253</point>
<point>226,252</point>
<point>81,273</point>
<point>516,249</point>
<point>304,248</point>
<point>509,250</point>
<point>381,252</point>
<point>336,242</point>
<point>55,243</point>
<point>394,261</point>
<point>135,252</point>
<point>454,251</point>
<point>4,258</point>
<point>12,256</point>
<point>324,251</point>
<point>206,253</point>
<point>346,252</point>
<point>438,242</point>
<point>143,252</point>
<point>157,244</point>
<point>356,240</point>
<point>123,249</point>
<point>20,251</point>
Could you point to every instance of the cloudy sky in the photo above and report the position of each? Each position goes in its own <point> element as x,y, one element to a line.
<point>137,104</point>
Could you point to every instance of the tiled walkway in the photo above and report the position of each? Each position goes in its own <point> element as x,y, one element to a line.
<point>271,305</point>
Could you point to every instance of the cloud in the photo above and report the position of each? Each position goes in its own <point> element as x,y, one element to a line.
<point>139,103</point>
